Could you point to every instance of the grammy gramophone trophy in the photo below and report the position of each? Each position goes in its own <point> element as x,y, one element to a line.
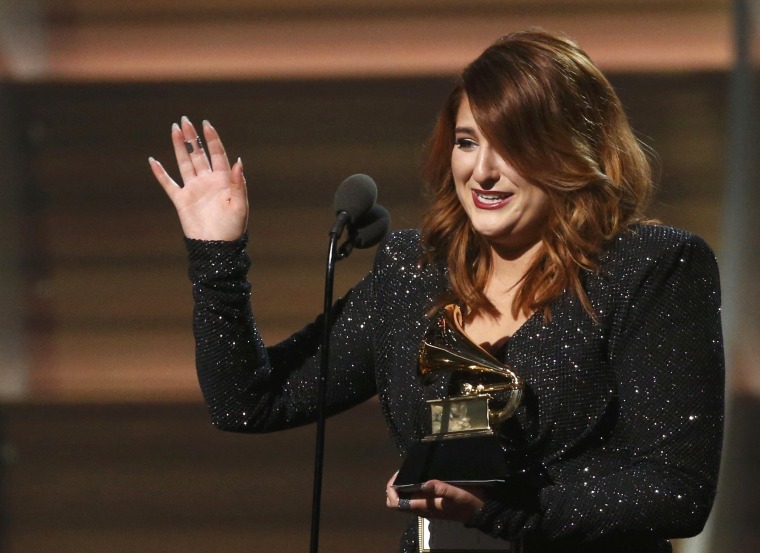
<point>463,447</point>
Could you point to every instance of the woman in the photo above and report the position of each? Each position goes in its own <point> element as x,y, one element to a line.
<point>537,232</point>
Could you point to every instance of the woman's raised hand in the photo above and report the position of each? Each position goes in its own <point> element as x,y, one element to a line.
<point>212,204</point>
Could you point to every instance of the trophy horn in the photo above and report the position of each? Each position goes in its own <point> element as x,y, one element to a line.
<point>446,347</point>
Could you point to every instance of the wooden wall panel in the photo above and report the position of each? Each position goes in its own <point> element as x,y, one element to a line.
<point>153,478</point>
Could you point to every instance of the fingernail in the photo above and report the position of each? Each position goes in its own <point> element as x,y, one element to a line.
<point>426,486</point>
<point>240,161</point>
<point>206,123</point>
<point>175,127</point>
<point>185,119</point>
<point>151,160</point>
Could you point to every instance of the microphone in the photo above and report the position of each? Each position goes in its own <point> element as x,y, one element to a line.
<point>367,223</point>
<point>368,231</point>
<point>354,198</point>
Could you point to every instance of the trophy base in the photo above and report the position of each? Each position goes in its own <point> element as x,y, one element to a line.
<point>466,461</point>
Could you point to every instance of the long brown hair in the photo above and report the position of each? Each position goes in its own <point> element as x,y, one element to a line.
<point>551,114</point>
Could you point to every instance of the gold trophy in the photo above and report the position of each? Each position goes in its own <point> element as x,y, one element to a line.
<point>463,447</point>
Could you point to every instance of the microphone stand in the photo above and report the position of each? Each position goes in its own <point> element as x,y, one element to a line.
<point>319,453</point>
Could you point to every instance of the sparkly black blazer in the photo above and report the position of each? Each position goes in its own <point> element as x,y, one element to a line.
<point>623,416</point>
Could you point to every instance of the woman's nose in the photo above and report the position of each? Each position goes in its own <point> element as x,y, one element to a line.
<point>486,172</point>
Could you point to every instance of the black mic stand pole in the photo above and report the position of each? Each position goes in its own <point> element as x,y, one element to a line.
<point>319,452</point>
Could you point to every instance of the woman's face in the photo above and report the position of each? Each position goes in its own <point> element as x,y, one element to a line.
<point>502,206</point>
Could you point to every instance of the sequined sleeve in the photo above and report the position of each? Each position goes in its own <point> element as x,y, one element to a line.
<point>249,387</point>
<point>665,349</point>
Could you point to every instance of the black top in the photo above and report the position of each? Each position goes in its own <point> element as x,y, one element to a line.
<point>623,416</point>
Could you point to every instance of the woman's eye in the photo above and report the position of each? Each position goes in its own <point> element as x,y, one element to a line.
<point>465,143</point>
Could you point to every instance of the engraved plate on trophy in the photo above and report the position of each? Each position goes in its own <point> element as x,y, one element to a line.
<point>459,416</point>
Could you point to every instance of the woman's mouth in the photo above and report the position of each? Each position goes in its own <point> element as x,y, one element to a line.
<point>490,199</point>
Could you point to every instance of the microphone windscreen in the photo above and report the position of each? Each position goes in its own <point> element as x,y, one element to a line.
<point>356,195</point>
<point>372,227</point>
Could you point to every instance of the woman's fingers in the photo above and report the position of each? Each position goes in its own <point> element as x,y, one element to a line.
<point>237,178</point>
<point>391,496</point>
<point>188,149</point>
<point>186,169</point>
<point>219,160</point>
<point>163,178</point>
<point>451,502</point>
<point>437,499</point>
<point>394,501</point>
<point>194,163</point>
<point>212,204</point>
<point>194,147</point>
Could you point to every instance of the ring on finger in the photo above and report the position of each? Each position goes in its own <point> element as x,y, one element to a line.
<point>189,147</point>
<point>404,504</point>
<point>200,142</point>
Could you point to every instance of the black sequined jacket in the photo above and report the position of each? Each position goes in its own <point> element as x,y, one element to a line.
<point>623,417</point>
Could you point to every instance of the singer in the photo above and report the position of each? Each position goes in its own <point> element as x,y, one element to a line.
<point>537,230</point>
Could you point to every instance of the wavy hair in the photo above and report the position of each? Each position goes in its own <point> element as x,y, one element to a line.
<point>550,113</point>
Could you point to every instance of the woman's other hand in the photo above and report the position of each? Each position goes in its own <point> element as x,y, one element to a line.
<point>212,203</point>
<point>437,499</point>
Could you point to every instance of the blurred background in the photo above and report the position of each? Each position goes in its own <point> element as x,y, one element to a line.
<point>105,442</point>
